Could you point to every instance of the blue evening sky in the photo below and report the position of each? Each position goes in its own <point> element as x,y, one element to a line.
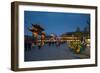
<point>55,22</point>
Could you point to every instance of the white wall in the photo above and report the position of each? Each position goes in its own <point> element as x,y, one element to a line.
<point>5,40</point>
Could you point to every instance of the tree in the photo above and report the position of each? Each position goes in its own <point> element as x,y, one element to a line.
<point>88,25</point>
<point>78,32</point>
<point>78,29</point>
<point>85,30</point>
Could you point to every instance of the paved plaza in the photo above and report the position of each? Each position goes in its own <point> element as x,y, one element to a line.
<point>54,53</point>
